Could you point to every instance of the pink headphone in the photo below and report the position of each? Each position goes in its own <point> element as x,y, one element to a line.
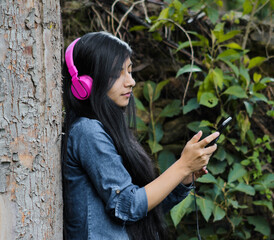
<point>81,86</point>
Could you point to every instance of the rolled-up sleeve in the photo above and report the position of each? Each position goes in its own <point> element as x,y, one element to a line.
<point>95,151</point>
<point>176,196</point>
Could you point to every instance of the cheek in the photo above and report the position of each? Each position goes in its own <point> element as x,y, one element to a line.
<point>113,91</point>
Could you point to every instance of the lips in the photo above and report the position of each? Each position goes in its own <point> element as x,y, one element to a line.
<point>127,94</point>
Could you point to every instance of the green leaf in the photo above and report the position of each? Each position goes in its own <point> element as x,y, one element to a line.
<point>207,85</point>
<point>219,28</point>
<point>141,126</point>
<point>139,104</point>
<point>187,44</point>
<point>190,3</point>
<point>260,223</point>
<point>245,75</point>
<point>137,28</point>
<point>247,7</point>
<point>235,204</point>
<point>233,45</point>
<point>236,172</point>
<point>159,133</point>
<point>207,178</point>
<point>205,123</point>
<point>180,210</point>
<point>206,207</point>
<point>195,127</point>
<point>154,146</point>
<point>165,160</point>
<point>218,77</point>
<point>172,109</point>
<point>249,108</point>
<point>258,86</point>
<point>218,213</point>
<point>148,90</point>
<point>230,158</point>
<point>217,167</point>
<point>255,62</point>
<point>203,39</point>
<point>177,4</point>
<point>157,36</point>
<point>233,67</point>
<point>213,14</point>
<point>266,179</point>
<point>163,15</point>
<point>208,99</point>
<point>260,97</point>
<point>188,68</point>
<point>228,36</point>
<point>159,88</point>
<point>242,187</point>
<point>244,125</point>
<point>236,91</point>
<point>245,162</point>
<point>229,55</point>
<point>257,77</point>
<point>236,220</point>
<point>192,104</point>
<point>272,4</point>
<point>267,80</point>
<point>220,154</point>
<point>265,203</point>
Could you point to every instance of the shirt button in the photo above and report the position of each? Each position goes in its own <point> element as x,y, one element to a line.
<point>118,191</point>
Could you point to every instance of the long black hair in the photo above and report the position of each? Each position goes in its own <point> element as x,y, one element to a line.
<point>101,56</point>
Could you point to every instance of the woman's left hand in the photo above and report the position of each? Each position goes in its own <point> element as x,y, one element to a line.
<point>197,174</point>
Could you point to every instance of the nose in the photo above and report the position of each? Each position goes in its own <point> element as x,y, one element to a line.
<point>130,82</point>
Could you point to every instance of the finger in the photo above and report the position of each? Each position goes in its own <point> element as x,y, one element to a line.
<point>210,150</point>
<point>196,137</point>
<point>208,139</point>
<point>202,172</point>
<point>205,171</point>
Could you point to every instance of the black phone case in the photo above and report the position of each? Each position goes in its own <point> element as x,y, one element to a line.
<point>220,130</point>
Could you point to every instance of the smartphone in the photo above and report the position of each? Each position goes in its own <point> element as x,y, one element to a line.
<point>220,130</point>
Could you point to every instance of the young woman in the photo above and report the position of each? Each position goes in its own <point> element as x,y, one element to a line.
<point>111,187</point>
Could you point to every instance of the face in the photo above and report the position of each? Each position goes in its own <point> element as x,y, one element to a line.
<point>121,90</point>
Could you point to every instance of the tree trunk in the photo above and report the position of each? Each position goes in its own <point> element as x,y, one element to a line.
<point>30,120</point>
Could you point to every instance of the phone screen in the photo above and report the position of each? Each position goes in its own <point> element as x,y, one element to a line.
<point>220,130</point>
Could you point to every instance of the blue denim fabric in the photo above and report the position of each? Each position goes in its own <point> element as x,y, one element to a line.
<point>99,196</point>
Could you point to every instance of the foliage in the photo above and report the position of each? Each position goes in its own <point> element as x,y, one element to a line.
<point>235,199</point>
<point>240,178</point>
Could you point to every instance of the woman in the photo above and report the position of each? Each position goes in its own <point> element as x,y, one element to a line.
<point>111,188</point>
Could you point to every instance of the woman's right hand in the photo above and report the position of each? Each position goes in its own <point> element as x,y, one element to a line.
<point>194,155</point>
<point>193,158</point>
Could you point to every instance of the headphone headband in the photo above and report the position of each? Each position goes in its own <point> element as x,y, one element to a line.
<point>69,60</point>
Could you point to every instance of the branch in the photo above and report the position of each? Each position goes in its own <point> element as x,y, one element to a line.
<point>192,56</point>
<point>249,24</point>
<point>138,21</point>
<point>125,15</point>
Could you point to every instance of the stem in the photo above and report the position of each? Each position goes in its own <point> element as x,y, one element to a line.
<point>260,145</point>
<point>125,15</point>
<point>192,54</point>
<point>249,24</point>
<point>152,119</point>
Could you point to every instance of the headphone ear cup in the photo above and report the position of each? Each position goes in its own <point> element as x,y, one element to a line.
<point>81,88</point>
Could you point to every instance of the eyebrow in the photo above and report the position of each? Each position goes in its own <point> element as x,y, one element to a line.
<point>130,65</point>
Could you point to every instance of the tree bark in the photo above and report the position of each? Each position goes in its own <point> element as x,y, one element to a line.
<point>30,120</point>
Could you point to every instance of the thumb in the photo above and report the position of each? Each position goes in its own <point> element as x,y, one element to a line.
<point>196,137</point>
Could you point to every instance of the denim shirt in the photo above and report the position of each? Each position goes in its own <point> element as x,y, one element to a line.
<point>99,196</point>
